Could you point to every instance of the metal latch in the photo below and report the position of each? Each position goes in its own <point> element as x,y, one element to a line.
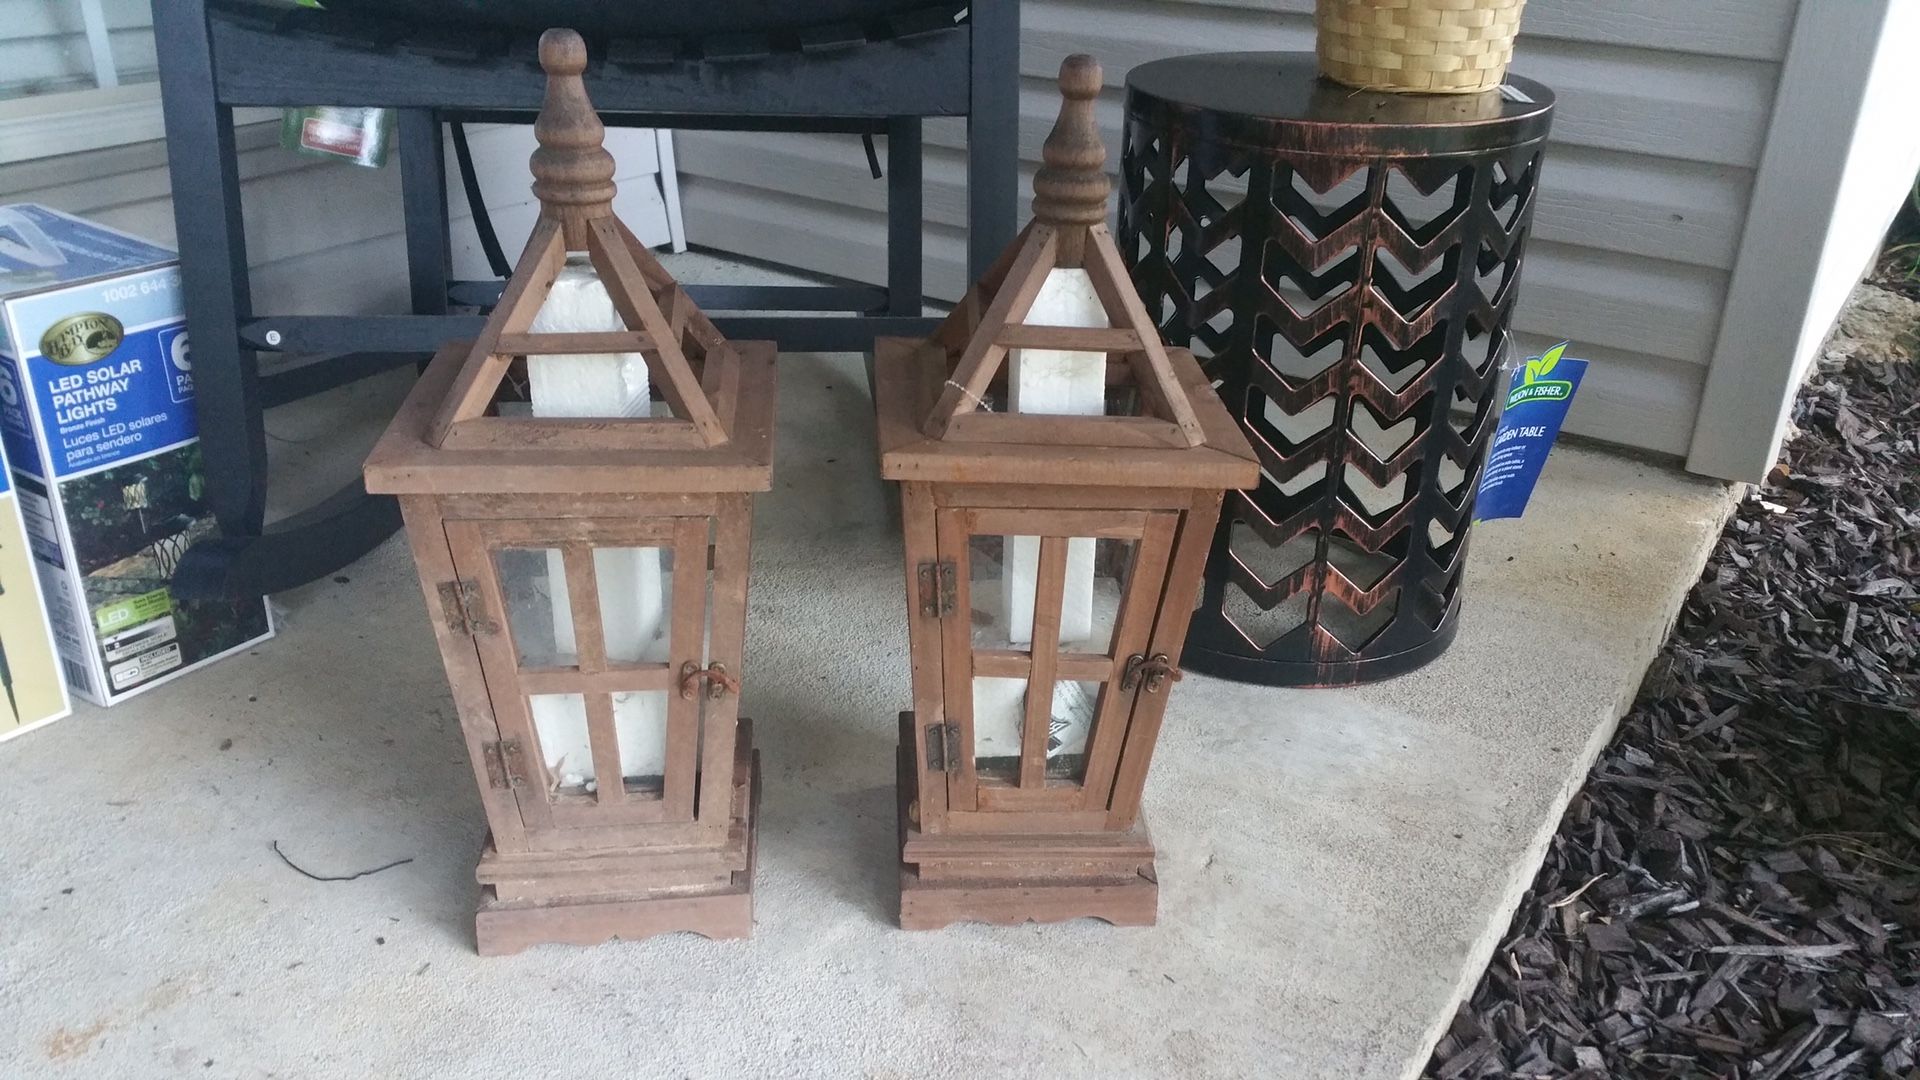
<point>506,764</point>
<point>1155,670</point>
<point>464,610</point>
<point>939,581</point>
<point>715,675</point>
<point>943,747</point>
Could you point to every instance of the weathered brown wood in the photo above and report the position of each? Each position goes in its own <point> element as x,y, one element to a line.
<point>1169,636</point>
<point>585,916</point>
<point>610,855</point>
<point>978,361</point>
<point>924,630</point>
<point>403,462</point>
<point>615,342</point>
<point>433,558</point>
<point>1071,189</point>
<point>1076,338</point>
<point>1042,521</point>
<point>726,645</point>
<point>572,171</point>
<point>479,366</point>
<point>615,679</point>
<point>956,652</point>
<point>1038,429</point>
<point>1049,584</point>
<point>667,363</point>
<point>1132,629</point>
<point>686,644</point>
<point>996,896</point>
<point>1009,664</point>
<point>513,433</point>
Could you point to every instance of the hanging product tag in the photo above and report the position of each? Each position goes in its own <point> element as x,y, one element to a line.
<point>1538,396</point>
<point>355,134</point>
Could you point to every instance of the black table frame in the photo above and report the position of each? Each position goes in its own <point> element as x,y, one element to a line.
<point>214,58</point>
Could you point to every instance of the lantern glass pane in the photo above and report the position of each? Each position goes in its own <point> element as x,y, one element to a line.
<point>566,741</point>
<point>999,710</point>
<point>1096,579</point>
<point>999,717</point>
<point>533,580</point>
<point>636,597</point>
<point>635,586</point>
<point>1075,704</point>
<point>1002,602</point>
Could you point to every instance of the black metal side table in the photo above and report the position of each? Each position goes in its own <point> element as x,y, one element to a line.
<point>1345,262</point>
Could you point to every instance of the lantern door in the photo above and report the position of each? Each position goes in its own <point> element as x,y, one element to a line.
<point>1043,633</point>
<point>591,629</point>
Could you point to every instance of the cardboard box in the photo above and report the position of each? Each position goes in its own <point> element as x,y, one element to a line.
<point>97,417</point>
<point>29,663</point>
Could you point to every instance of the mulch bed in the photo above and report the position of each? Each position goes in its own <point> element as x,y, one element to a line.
<point>1736,891</point>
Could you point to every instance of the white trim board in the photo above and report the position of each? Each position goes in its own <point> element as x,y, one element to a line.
<point>1771,325</point>
<point>50,125</point>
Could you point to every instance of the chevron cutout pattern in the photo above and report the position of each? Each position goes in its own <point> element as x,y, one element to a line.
<point>1352,313</point>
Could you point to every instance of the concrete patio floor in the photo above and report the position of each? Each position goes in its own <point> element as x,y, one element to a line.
<point>1335,866</point>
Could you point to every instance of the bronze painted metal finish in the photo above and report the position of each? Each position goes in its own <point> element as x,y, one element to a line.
<point>1344,263</point>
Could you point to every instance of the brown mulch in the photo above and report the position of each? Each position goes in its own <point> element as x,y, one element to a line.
<point>1736,891</point>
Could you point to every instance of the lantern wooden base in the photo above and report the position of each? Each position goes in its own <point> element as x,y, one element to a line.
<point>1014,878</point>
<point>582,898</point>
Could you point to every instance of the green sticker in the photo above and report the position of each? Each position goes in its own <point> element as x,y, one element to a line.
<point>133,611</point>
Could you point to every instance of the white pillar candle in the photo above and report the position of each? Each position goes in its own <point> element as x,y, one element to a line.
<point>633,588</point>
<point>1051,382</point>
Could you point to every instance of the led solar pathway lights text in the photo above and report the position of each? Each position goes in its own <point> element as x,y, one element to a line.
<point>1061,473</point>
<point>583,552</point>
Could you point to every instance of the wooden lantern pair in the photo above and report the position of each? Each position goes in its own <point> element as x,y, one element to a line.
<point>586,565</point>
<point>587,571</point>
<point>1053,556</point>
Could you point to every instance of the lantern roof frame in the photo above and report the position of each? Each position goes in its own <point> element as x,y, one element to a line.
<point>720,437</point>
<point>930,394</point>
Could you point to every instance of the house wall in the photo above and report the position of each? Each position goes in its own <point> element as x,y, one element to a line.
<point>1881,164</point>
<point>1663,112</point>
<point>325,237</point>
<point>1842,150</point>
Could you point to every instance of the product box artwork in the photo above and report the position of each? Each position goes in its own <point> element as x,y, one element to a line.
<point>97,417</point>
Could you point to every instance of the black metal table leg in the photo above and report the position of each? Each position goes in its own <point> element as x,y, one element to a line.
<point>905,264</point>
<point>993,133</point>
<point>201,160</point>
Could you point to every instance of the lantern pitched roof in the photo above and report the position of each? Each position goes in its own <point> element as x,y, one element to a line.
<point>1068,231</point>
<point>934,420</point>
<point>719,393</point>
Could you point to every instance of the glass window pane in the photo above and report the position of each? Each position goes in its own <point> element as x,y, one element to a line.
<point>560,723</point>
<point>999,714</point>
<point>1005,572</point>
<point>1071,730</point>
<point>999,709</point>
<point>636,602</point>
<point>1002,600</point>
<point>1090,603</point>
<point>640,723</point>
<point>538,614</point>
<point>640,718</point>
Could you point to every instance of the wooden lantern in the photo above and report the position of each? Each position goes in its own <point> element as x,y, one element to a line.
<point>585,563</point>
<point>1053,554</point>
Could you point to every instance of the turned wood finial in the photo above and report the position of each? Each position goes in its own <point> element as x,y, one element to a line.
<point>572,171</point>
<point>1071,187</point>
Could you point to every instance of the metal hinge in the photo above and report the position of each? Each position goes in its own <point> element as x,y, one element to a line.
<point>465,611</point>
<point>938,583</point>
<point>719,683</point>
<point>1155,670</point>
<point>943,747</point>
<point>506,765</point>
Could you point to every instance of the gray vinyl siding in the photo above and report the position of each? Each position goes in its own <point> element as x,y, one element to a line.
<point>43,45</point>
<point>1663,112</point>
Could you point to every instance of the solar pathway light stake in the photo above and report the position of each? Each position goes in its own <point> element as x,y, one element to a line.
<point>583,552</point>
<point>1061,475</point>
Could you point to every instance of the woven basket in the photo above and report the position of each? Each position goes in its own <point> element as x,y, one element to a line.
<point>1417,46</point>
